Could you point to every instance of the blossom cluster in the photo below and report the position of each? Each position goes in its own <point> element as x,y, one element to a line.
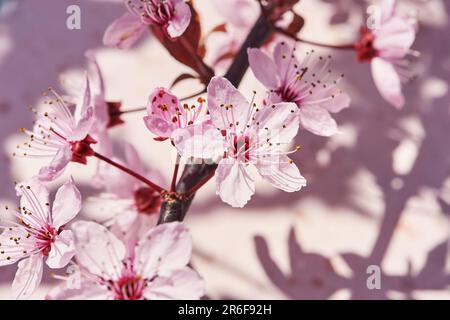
<point>132,256</point>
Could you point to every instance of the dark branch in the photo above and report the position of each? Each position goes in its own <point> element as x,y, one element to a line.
<point>175,209</point>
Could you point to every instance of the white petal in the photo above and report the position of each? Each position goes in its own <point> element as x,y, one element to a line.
<point>281,173</point>
<point>202,141</point>
<point>62,250</point>
<point>234,185</point>
<point>97,249</point>
<point>183,284</point>
<point>317,120</point>
<point>263,68</point>
<point>388,82</point>
<point>28,277</point>
<point>226,105</point>
<point>279,122</point>
<point>164,249</point>
<point>67,204</point>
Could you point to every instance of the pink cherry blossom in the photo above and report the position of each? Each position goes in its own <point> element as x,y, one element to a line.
<point>173,16</point>
<point>40,233</point>
<point>135,205</point>
<point>156,269</point>
<point>385,47</point>
<point>242,134</point>
<point>166,113</point>
<point>60,135</point>
<point>309,84</point>
<point>239,16</point>
<point>106,113</point>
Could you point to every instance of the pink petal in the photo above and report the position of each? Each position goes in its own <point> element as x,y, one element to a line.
<point>281,121</point>
<point>97,74</point>
<point>57,165</point>
<point>126,228</point>
<point>84,125</point>
<point>395,38</point>
<point>286,62</point>
<point>28,277</point>
<point>183,284</point>
<point>338,103</point>
<point>97,249</point>
<point>387,9</point>
<point>67,204</point>
<point>163,109</point>
<point>164,249</point>
<point>180,21</point>
<point>79,289</point>
<point>234,185</point>
<point>226,104</point>
<point>199,141</point>
<point>281,173</point>
<point>317,120</point>
<point>263,68</point>
<point>34,196</point>
<point>62,250</point>
<point>124,31</point>
<point>84,101</point>
<point>388,82</point>
<point>12,250</point>
<point>159,126</point>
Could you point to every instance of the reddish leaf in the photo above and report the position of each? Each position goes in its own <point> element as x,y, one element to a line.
<point>181,77</point>
<point>296,24</point>
<point>184,48</point>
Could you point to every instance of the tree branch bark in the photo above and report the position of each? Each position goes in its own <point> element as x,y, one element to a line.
<point>175,209</point>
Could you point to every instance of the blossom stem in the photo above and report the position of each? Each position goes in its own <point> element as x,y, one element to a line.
<point>317,44</point>
<point>173,185</point>
<point>136,175</point>
<point>132,110</point>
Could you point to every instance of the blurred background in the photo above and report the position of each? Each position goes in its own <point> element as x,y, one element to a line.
<point>377,194</point>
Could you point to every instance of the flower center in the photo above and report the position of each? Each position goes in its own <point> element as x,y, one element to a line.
<point>129,286</point>
<point>146,200</point>
<point>364,46</point>
<point>158,12</point>
<point>82,149</point>
<point>45,239</point>
<point>241,147</point>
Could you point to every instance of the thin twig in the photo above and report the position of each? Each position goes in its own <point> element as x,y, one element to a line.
<point>136,175</point>
<point>313,43</point>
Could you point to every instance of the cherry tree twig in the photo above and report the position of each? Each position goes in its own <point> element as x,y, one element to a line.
<point>193,174</point>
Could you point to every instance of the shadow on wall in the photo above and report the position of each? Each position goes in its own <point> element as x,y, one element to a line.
<point>312,276</point>
<point>35,47</point>
<point>379,132</point>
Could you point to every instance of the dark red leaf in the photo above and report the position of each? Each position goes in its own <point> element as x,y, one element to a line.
<point>181,77</point>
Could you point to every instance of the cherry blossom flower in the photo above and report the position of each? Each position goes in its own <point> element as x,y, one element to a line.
<point>309,84</point>
<point>385,47</point>
<point>60,135</point>
<point>166,114</point>
<point>171,15</point>
<point>156,269</point>
<point>106,113</point>
<point>239,16</point>
<point>135,205</point>
<point>39,234</point>
<point>242,134</point>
